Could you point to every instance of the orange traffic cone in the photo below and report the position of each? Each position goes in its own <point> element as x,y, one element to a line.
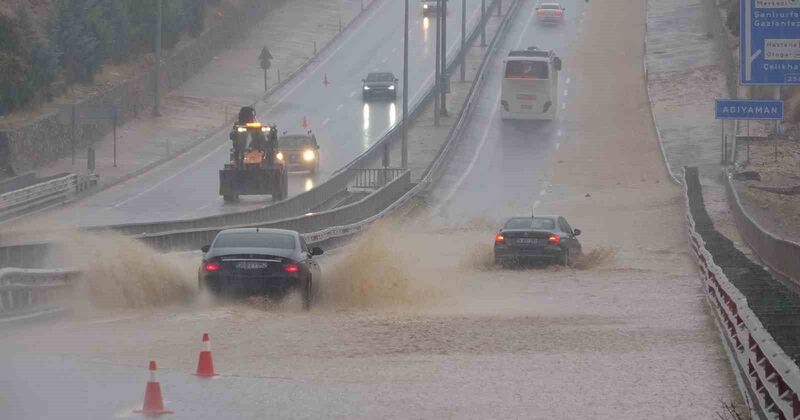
<point>153,403</point>
<point>205,365</point>
<point>305,122</point>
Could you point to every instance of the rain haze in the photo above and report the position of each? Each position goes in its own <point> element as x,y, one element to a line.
<point>395,209</point>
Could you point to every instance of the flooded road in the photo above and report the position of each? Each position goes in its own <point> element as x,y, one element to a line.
<point>413,320</point>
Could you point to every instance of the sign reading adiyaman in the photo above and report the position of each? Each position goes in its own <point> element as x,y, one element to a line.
<point>743,109</point>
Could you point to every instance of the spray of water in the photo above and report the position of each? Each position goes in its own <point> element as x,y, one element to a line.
<point>121,272</point>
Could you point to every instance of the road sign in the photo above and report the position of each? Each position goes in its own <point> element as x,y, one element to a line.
<point>770,42</point>
<point>735,109</point>
<point>265,58</point>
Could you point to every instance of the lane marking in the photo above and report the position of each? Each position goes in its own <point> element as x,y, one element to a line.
<point>338,108</point>
<point>536,204</point>
<point>563,106</point>
<point>325,122</point>
<point>394,50</point>
<point>353,93</point>
<point>568,80</point>
<point>558,145</point>
<point>478,151</point>
<point>542,192</point>
<point>559,133</point>
<point>385,59</point>
<point>565,93</point>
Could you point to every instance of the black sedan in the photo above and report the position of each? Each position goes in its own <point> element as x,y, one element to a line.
<point>379,85</point>
<point>548,238</point>
<point>251,261</point>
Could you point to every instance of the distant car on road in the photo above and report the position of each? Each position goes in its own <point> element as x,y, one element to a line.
<point>299,152</point>
<point>255,261</point>
<point>548,238</point>
<point>379,85</point>
<point>430,6</point>
<point>550,12</point>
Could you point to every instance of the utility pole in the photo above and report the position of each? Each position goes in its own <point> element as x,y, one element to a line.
<point>157,99</point>
<point>437,74</point>
<point>463,40</point>
<point>483,21</point>
<point>443,71</point>
<point>404,128</point>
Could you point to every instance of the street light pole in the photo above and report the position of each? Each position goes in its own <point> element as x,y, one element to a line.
<point>436,59</point>
<point>404,128</point>
<point>463,40</point>
<point>157,99</point>
<point>443,67</point>
<point>483,21</point>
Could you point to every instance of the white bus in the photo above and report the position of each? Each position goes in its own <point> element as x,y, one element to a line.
<point>530,85</point>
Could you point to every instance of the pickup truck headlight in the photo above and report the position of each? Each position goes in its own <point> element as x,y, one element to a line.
<point>279,156</point>
<point>309,155</point>
<point>366,87</point>
<point>391,87</point>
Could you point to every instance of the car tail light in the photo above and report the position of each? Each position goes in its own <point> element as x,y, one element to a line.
<point>554,240</point>
<point>540,11</point>
<point>558,12</point>
<point>211,266</point>
<point>291,268</point>
<point>499,239</point>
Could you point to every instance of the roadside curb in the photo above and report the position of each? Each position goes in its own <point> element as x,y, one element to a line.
<point>675,180</point>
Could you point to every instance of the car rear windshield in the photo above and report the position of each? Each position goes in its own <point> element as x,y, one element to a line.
<point>380,77</point>
<point>549,6</point>
<point>536,223</point>
<point>294,141</point>
<point>526,70</point>
<point>255,240</point>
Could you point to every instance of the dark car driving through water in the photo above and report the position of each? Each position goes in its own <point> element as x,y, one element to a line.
<point>256,261</point>
<point>539,238</point>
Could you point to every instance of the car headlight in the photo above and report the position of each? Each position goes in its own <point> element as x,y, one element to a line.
<point>265,129</point>
<point>308,155</point>
<point>424,6</point>
<point>279,156</point>
<point>366,87</point>
<point>391,87</point>
<point>241,129</point>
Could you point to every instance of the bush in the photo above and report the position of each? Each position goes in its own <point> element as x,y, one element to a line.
<point>81,36</point>
<point>733,17</point>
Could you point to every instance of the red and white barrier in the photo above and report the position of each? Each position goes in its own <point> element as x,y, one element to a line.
<point>771,375</point>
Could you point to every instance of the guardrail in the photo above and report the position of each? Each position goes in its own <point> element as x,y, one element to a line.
<point>757,315</point>
<point>54,190</point>
<point>303,202</point>
<point>374,178</point>
<point>780,254</point>
<point>24,290</point>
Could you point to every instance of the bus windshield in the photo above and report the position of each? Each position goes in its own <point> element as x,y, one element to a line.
<point>527,70</point>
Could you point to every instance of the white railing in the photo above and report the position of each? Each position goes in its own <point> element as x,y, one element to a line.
<point>25,199</point>
<point>771,377</point>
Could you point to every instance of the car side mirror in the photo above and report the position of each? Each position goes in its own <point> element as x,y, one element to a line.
<point>205,248</point>
<point>563,8</point>
<point>576,232</point>
<point>364,80</point>
<point>396,79</point>
<point>557,63</point>
<point>317,251</point>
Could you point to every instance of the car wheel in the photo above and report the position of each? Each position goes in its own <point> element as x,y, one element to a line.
<point>306,294</point>
<point>564,260</point>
